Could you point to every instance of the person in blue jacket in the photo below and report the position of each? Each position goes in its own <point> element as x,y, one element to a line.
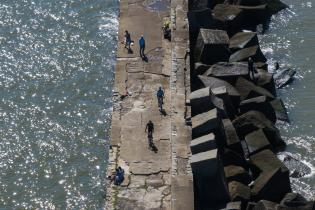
<point>142,46</point>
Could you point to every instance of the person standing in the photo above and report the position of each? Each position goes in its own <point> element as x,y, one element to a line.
<point>150,129</point>
<point>142,46</point>
<point>127,40</point>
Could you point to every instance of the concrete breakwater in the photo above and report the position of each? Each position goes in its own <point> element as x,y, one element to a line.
<point>216,140</point>
<point>234,108</point>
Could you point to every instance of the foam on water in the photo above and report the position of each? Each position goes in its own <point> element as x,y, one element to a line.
<point>56,76</point>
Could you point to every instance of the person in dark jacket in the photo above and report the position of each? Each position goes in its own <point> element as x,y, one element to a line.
<point>142,46</point>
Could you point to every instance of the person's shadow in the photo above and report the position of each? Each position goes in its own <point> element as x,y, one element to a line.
<point>145,58</point>
<point>130,51</point>
<point>152,145</point>
<point>163,112</point>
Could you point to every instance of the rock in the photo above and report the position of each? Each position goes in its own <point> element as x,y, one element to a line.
<point>201,68</point>
<point>239,191</point>
<point>275,6</point>
<point>228,71</point>
<point>203,144</point>
<point>253,120</point>
<point>243,40</point>
<point>229,16</point>
<point>237,173</point>
<point>215,83</point>
<point>244,54</point>
<point>233,205</point>
<point>198,19</point>
<point>272,174</point>
<point>260,104</point>
<point>257,141</point>
<point>280,110</point>
<point>221,93</point>
<point>202,4</point>
<point>230,157</point>
<point>232,140</point>
<point>294,201</point>
<point>200,101</point>
<point>265,205</point>
<point>209,185</point>
<point>255,15</point>
<point>251,205</point>
<point>261,65</point>
<point>265,80</point>
<point>249,90</point>
<point>296,167</point>
<point>211,46</point>
<point>205,123</point>
<point>283,77</point>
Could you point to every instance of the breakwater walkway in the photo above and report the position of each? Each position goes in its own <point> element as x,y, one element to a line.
<point>159,179</point>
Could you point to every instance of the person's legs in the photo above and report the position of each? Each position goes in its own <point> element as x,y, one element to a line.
<point>141,51</point>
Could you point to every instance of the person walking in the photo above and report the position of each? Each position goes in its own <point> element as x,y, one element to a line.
<point>160,96</point>
<point>142,46</point>
<point>127,40</point>
<point>150,129</point>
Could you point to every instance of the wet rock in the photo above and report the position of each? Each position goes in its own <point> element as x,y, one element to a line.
<point>283,77</point>
<point>254,120</point>
<point>265,205</point>
<point>237,173</point>
<point>275,6</point>
<point>265,80</point>
<point>209,184</point>
<point>239,191</point>
<point>260,104</point>
<point>280,110</point>
<point>244,54</point>
<point>273,180</point>
<point>215,83</point>
<point>211,46</point>
<point>228,71</point>
<point>243,40</point>
<point>205,123</point>
<point>295,201</point>
<point>232,140</point>
<point>249,90</point>
<point>203,144</point>
<point>297,167</point>
<point>229,16</point>
<point>256,141</point>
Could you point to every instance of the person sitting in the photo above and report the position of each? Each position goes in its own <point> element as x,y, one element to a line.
<point>167,30</point>
<point>120,176</point>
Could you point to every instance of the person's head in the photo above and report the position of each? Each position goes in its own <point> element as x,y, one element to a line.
<point>142,37</point>
<point>150,121</point>
<point>160,88</point>
<point>126,32</point>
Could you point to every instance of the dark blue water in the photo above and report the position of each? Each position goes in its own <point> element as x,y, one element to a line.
<point>291,42</point>
<point>56,74</point>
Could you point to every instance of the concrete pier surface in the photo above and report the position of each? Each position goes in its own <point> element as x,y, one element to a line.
<point>160,179</point>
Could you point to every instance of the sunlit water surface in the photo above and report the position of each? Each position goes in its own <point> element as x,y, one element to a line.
<point>56,75</point>
<point>291,42</point>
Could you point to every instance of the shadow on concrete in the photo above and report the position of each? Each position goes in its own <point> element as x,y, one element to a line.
<point>163,112</point>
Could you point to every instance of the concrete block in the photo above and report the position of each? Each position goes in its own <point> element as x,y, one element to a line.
<point>211,46</point>
<point>203,144</point>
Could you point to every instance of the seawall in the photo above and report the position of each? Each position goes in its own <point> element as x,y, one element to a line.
<point>215,140</point>
<point>159,178</point>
